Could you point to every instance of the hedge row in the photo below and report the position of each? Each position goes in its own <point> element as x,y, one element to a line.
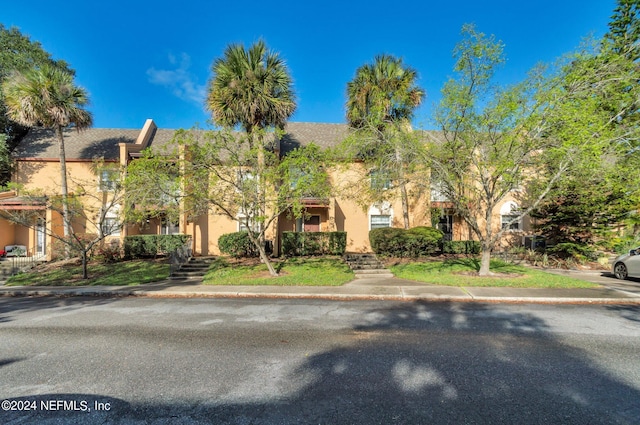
<point>412,243</point>
<point>237,245</point>
<point>139,246</point>
<point>389,241</point>
<point>313,243</point>
<point>461,247</point>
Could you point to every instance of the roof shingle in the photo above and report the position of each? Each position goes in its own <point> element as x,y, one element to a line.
<point>41,143</point>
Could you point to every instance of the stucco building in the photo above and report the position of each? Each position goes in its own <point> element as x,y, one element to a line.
<point>37,169</point>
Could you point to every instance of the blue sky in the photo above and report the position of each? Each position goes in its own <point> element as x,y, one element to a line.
<point>142,59</point>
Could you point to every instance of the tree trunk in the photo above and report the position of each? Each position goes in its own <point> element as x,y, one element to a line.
<point>405,204</point>
<point>263,253</point>
<point>66,225</point>
<point>403,189</point>
<point>485,261</point>
<point>261,195</point>
<point>265,259</point>
<point>85,274</point>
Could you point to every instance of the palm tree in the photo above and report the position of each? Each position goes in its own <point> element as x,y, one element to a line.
<point>48,97</point>
<point>252,89</point>
<point>382,97</point>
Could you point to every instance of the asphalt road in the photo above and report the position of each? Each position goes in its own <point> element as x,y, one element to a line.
<point>188,361</point>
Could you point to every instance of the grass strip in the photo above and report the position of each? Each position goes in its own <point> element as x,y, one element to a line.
<point>307,271</point>
<point>125,273</point>
<point>463,272</point>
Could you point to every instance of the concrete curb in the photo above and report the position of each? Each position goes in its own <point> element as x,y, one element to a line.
<point>374,293</point>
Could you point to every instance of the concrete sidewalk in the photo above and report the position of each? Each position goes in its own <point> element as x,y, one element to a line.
<point>393,289</point>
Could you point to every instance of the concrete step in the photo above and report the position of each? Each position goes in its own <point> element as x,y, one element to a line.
<point>177,276</point>
<point>190,272</point>
<point>371,274</point>
<point>195,268</point>
<point>366,266</point>
<point>364,262</point>
<point>360,257</point>
<point>202,260</point>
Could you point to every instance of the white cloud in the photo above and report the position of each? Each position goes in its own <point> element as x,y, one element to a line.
<point>182,83</point>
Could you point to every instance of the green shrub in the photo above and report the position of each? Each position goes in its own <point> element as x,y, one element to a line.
<point>313,243</point>
<point>567,250</point>
<point>461,247</point>
<point>139,246</point>
<point>237,245</point>
<point>337,243</point>
<point>413,243</point>
<point>108,252</point>
<point>621,245</point>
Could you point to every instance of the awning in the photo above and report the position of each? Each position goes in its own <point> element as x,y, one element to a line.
<point>22,203</point>
<point>315,202</point>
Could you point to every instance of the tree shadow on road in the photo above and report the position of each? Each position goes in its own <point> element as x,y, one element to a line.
<point>415,363</point>
<point>10,305</point>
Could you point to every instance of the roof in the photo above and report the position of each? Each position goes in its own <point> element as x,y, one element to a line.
<point>91,143</point>
<point>296,134</point>
<point>41,143</point>
<point>303,133</point>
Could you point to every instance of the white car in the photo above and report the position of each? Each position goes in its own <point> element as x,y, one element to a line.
<point>627,265</point>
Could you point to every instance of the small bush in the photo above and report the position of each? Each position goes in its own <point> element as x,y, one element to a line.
<point>237,245</point>
<point>412,243</point>
<point>622,245</point>
<point>569,250</point>
<point>108,252</point>
<point>139,246</point>
<point>313,243</point>
<point>59,247</point>
<point>461,247</point>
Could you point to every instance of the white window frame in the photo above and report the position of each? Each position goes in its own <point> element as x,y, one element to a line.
<point>508,212</point>
<point>241,223</point>
<point>438,193</point>
<point>168,228</point>
<point>379,179</point>
<point>380,209</point>
<point>111,226</point>
<point>242,176</point>
<point>108,180</point>
<point>111,215</point>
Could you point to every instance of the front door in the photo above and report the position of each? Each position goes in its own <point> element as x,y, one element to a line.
<point>312,223</point>
<point>445,224</point>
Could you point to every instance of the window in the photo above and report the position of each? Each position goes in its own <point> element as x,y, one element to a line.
<point>380,221</point>
<point>108,180</point>
<point>509,217</point>
<point>110,226</point>
<point>438,192</point>
<point>169,192</point>
<point>246,181</point>
<point>510,222</point>
<point>244,224</point>
<point>380,215</point>
<point>296,176</point>
<point>380,179</point>
<point>169,228</point>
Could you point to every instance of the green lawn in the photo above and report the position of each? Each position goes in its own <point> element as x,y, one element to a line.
<point>320,271</point>
<point>460,272</point>
<point>124,273</point>
<point>309,271</point>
